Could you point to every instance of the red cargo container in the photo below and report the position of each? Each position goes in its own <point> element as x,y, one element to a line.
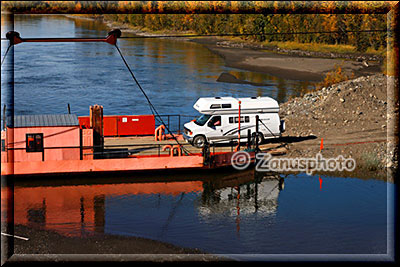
<point>119,125</point>
<point>136,125</point>
<point>110,125</point>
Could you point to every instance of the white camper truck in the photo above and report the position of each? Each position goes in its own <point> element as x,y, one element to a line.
<point>219,121</point>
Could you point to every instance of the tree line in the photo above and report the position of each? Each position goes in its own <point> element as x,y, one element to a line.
<point>271,23</point>
<point>220,17</point>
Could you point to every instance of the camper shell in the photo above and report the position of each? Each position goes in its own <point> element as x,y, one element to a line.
<point>230,105</point>
<point>220,120</point>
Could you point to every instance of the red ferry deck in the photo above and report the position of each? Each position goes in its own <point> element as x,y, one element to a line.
<point>66,144</point>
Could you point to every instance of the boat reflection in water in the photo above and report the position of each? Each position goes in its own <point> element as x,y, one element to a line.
<point>74,210</point>
<point>78,210</point>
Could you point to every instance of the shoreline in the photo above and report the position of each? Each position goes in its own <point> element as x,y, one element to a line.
<point>282,63</point>
<point>142,249</point>
<point>286,66</point>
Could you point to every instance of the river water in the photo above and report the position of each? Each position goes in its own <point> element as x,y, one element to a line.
<point>223,213</point>
<point>173,73</point>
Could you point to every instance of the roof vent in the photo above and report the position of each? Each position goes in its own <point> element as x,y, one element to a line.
<point>253,97</point>
<point>217,97</point>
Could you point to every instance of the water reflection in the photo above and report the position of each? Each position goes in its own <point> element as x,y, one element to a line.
<point>78,209</point>
<point>219,213</point>
<point>224,198</point>
<point>71,209</point>
<point>239,198</point>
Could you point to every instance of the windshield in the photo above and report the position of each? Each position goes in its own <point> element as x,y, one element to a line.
<point>202,119</point>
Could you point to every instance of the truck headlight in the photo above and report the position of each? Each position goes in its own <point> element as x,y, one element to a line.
<point>187,131</point>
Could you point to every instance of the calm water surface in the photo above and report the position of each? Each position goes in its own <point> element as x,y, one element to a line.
<point>233,214</point>
<point>173,73</point>
<point>225,215</point>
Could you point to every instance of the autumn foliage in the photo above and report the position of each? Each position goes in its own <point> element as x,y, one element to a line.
<point>334,76</point>
<point>266,18</point>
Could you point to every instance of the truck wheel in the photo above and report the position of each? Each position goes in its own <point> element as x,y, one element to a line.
<point>199,141</point>
<point>260,138</point>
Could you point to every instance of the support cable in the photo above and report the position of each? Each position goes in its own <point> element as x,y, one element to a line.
<point>153,109</point>
<point>8,49</point>
<point>91,39</point>
<point>284,143</point>
<point>267,128</point>
<point>137,82</point>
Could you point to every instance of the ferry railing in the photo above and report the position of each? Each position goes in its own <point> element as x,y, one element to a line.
<point>108,151</point>
<point>175,122</point>
<point>126,150</point>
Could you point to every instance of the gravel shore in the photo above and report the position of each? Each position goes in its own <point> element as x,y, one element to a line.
<point>290,64</point>
<point>352,118</point>
<point>95,245</point>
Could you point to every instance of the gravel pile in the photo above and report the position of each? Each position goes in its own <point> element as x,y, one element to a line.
<point>349,112</point>
<point>342,107</point>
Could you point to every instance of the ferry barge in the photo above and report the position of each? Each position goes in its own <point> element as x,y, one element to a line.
<point>68,144</point>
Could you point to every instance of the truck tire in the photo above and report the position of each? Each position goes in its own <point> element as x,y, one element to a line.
<point>199,141</point>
